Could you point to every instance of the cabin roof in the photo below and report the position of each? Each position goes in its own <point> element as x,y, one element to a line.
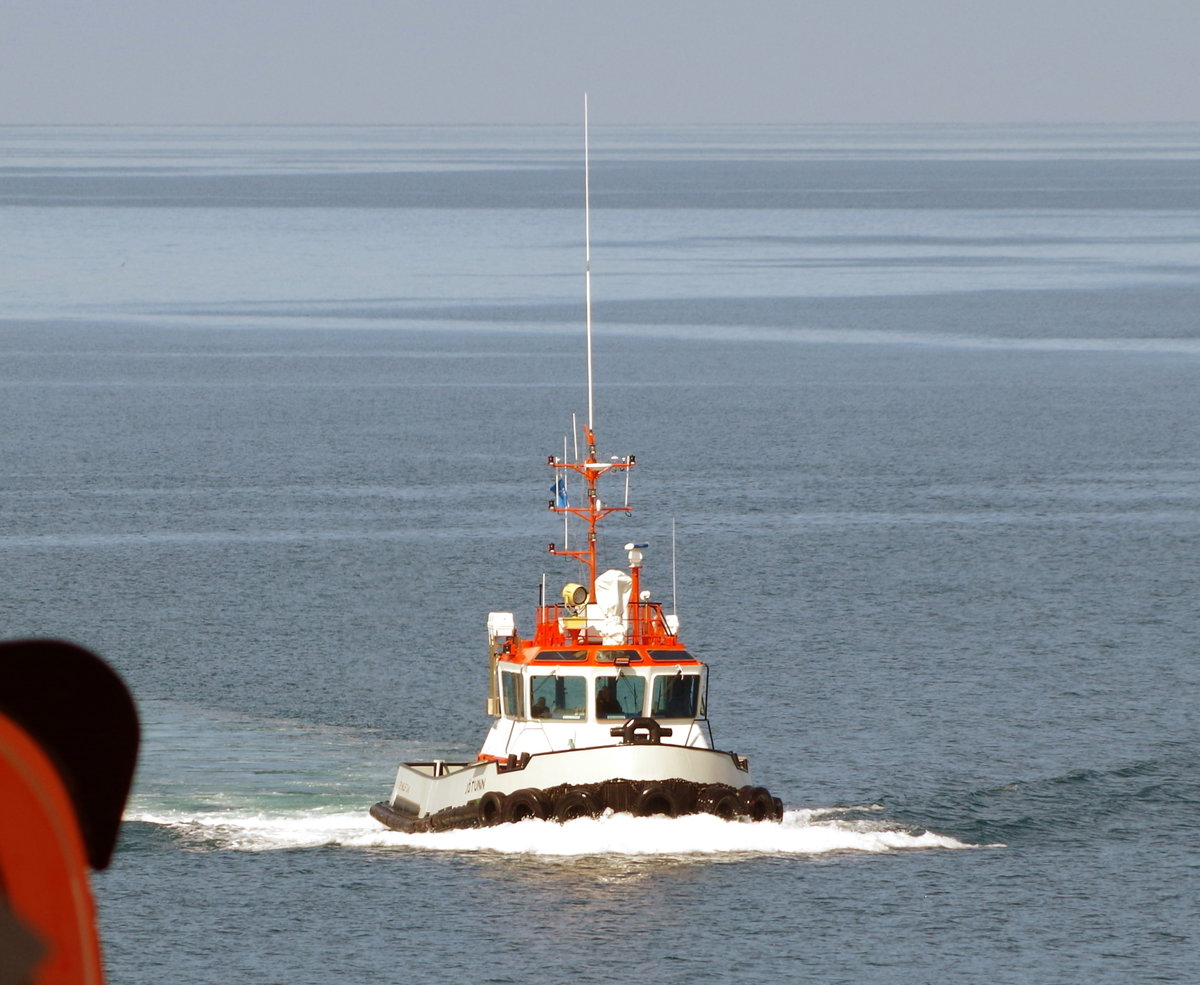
<point>601,655</point>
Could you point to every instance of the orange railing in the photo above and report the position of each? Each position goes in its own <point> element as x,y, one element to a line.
<point>561,625</point>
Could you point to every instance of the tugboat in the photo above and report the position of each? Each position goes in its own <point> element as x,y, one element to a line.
<point>601,709</point>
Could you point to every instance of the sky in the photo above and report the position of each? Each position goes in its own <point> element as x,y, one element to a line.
<point>641,61</point>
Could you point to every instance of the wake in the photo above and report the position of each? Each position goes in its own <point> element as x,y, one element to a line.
<point>801,832</point>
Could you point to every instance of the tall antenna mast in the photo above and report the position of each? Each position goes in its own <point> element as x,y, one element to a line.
<point>587,260</point>
<point>591,511</point>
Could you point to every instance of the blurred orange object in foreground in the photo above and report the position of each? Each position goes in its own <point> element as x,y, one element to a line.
<point>68,745</point>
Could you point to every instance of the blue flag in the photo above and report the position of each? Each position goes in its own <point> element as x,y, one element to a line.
<point>560,493</point>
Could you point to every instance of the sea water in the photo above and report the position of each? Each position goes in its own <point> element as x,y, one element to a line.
<point>915,413</point>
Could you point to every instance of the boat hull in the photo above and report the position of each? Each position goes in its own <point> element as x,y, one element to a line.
<point>640,779</point>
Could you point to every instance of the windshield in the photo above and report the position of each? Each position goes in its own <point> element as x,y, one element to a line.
<point>619,697</point>
<point>513,705</point>
<point>558,697</point>
<point>675,696</point>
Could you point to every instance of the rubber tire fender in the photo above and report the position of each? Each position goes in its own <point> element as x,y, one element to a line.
<point>757,803</point>
<point>656,799</point>
<point>491,809</point>
<point>576,803</point>
<point>524,804</point>
<point>720,800</point>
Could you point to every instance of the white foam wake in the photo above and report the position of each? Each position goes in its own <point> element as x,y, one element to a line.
<point>801,832</point>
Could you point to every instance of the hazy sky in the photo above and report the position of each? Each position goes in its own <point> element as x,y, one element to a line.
<point>643,61</point>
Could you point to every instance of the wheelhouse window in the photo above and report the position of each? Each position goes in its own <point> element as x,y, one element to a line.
<point>620,697</point>
<point>514,694</point>
<point>672,656</point>
<point>561,655</point>
<point>675,696</point>
<point>618,657</point>
<point>555,696</point>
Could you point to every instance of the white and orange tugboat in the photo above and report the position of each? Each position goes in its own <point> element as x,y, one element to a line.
<point>601,709</point>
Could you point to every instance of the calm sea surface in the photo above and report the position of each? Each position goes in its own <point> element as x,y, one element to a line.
<point>922,406</point>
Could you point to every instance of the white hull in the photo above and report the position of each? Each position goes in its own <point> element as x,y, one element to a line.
<point>643,778</point>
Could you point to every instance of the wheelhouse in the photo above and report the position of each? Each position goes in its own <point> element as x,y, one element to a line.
<point>601,686</point>
<point>561,696</point>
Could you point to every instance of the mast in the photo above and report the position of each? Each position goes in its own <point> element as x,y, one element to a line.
<point>593,510</point>
<point>587,261</point>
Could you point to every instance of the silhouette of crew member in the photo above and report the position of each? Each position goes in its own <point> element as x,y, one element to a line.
<point>606,705</point>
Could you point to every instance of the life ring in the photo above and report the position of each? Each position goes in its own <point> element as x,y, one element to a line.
<point>721,800</point>
<point>757,803</point>
<point>491,809</point>
<point>576,803</point>
<point>524,804</point>
<point>641,732</point>
<point>656,799</point>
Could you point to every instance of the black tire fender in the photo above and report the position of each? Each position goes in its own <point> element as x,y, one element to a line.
<point>491,809</point>
<point>524,804</point>
<point>576,803</point>
<point>656,799</point>
<point>721,800</point>
<point>757,803</point>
